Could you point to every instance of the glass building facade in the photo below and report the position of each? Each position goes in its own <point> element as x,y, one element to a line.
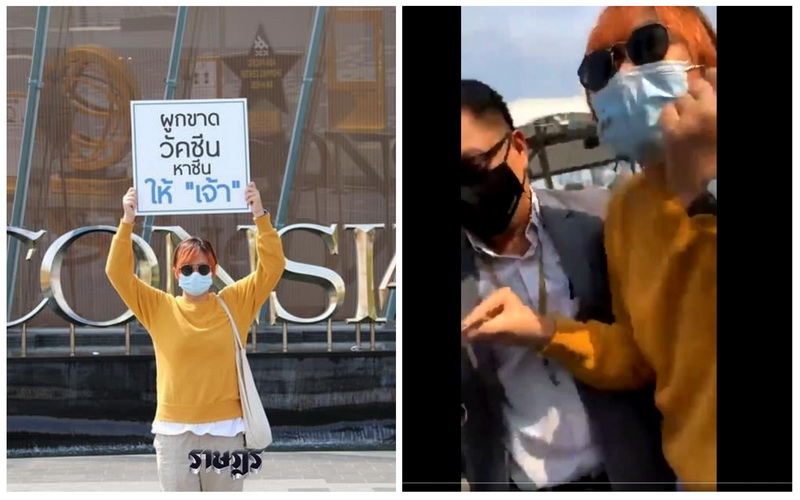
<point>98,59</point>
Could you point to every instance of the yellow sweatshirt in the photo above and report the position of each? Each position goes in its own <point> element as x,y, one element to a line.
<point>663,275</point>
<point>196,376</point>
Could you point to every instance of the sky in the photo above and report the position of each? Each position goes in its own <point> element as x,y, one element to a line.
<point>529,52</point>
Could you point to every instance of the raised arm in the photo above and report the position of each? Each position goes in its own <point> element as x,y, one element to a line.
<point>607,356</point>
<point>140,297</point>
<point>601,355</point>
<point>246,296</point>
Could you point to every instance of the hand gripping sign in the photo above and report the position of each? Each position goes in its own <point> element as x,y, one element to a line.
<point>190,156</point>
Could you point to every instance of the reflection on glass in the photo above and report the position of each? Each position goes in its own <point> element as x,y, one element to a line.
<point>355,54</point>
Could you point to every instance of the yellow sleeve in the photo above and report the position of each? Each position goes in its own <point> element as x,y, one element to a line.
<point>704,228</point>
<point>246,296</point>
<point>601,355</point>
<point>598,354</point>
<point>140,297</point>
<point>607,356</point>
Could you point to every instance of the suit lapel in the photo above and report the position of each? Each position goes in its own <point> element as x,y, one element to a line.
<point>567,230</point>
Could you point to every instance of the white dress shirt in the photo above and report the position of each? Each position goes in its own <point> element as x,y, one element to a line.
<point>547,427</point>
<point>223,428</point>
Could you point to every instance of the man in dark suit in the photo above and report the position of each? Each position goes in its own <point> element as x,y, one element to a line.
<point>527,424</point>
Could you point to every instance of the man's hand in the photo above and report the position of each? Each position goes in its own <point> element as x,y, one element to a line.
<point>504,318</point>
<point>253,198</point>
<point>129,202</point>
<point>689,126</point>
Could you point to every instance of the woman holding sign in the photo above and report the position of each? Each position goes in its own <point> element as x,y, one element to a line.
<point>196,376</point>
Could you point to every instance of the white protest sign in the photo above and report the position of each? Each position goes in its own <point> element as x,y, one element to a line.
<point>190,156</point>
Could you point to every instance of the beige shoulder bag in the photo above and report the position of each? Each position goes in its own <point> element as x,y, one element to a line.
<point>258,434</point>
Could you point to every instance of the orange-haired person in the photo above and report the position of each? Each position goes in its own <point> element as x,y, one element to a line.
<point>196,381</point>
<point>650,77</point>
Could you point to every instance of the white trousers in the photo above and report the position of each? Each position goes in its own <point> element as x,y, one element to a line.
<point>174,473</point>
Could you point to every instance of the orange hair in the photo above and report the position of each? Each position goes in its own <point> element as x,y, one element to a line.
<point>688,24</point>
<point>190,248</point>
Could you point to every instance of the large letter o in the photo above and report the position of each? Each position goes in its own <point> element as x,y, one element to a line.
<point>50,278</point>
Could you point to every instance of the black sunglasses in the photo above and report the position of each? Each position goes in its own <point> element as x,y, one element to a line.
<point>647,44</point>
<point>203,269</point>
<point>477,163</point>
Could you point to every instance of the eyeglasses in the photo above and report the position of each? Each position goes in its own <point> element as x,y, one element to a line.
<point>203,269</point>
<point>477,163</point>
<point>647,44</point>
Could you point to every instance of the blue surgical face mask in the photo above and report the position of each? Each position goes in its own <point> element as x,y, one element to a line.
<point>196,284</point>
<point>629,107</point>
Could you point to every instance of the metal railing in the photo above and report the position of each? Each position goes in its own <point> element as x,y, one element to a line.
<point>355,346</point>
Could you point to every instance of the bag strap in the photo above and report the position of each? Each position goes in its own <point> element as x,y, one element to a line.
<point>233,323</point>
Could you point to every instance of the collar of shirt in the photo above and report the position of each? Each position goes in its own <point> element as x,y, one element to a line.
<point>532,232</point>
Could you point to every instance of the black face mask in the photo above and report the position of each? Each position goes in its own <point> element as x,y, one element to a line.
<point>489,199</point>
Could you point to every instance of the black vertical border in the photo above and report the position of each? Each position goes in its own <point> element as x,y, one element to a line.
<point>431,73</point>
<point>754,336</point>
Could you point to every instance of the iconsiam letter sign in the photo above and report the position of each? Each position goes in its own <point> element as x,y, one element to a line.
<point>191,156</point>
<point>50,275</point>
<point>148,269</point>
<point>328,279</point>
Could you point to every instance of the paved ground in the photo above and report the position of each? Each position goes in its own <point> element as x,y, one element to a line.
<point>281,471</point>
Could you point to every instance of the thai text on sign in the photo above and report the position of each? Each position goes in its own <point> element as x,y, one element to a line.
<point>190,156</point>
